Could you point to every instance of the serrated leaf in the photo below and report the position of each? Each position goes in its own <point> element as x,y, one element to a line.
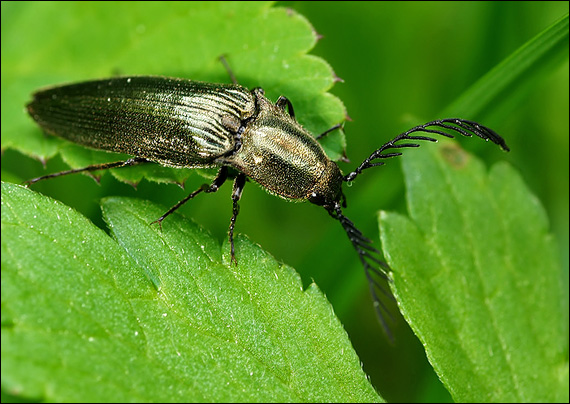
<point>152,315</point>
<point>476,276</point>
<point>265,47</point>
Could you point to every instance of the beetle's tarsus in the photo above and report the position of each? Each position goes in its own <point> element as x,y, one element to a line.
<point>159,221</point>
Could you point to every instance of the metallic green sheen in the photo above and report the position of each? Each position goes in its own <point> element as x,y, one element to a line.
<point>183,123</point>
<point>282,156</point>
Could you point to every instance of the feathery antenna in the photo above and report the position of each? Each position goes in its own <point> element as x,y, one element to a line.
<point>461,126</point>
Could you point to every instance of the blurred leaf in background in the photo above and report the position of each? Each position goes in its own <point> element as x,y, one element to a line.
<point>477,277</point>
<point>400,62</point>
<point>410,60</point>
<point>476,270</point>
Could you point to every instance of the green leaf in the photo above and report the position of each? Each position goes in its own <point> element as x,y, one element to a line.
<point>382,86</point>
<point>92,40</point>
<point>152,315</point>
<point>477,277</point>
<point>476,271</point>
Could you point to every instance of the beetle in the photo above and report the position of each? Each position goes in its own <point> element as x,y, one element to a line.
<point>192,124</point>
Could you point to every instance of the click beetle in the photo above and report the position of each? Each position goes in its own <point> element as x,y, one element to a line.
<point>191,124</point>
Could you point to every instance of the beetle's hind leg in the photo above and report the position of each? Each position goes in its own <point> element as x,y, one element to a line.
<point>95,167</point>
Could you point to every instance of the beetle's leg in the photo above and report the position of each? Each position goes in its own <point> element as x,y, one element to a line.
<point>326,132</point>
<point>213,187</point>
<point>227,67</point>
<point>342,158</point>
<point>239,183</point>
<point>95,167</point>
<point>283,102</point>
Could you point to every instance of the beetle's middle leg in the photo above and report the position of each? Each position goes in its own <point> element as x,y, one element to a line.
<point>213,187</point>
<point>239,183</point>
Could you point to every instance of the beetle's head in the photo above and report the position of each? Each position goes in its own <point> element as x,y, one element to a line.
<point>327,192</point>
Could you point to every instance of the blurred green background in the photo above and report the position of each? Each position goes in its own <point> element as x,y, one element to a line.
<point>399,61</point>
<point>414,58</point>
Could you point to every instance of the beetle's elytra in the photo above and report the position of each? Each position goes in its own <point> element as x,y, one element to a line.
<point>184,123</point>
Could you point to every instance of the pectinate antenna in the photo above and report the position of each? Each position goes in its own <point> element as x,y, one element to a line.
<point>374,268</point>
<point>461,126</point>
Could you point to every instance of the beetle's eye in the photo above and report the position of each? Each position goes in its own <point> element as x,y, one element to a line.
<point>317,199</point>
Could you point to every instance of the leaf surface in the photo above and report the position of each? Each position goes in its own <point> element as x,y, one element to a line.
<point>265,47</point>
<point>477,278</point>
<point>151,315</point>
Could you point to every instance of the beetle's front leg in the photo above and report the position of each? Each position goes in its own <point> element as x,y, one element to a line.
<point>239,183</point>
<point>283,102</point>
